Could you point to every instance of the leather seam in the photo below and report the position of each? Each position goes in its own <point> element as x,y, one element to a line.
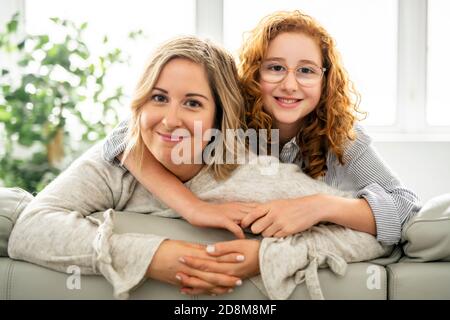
<point>9,280</point>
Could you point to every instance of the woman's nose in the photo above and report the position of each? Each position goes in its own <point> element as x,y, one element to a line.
<point>171,119</point>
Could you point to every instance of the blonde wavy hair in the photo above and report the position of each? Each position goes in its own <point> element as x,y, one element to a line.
<point>330,125</point>
<point>223,80</point>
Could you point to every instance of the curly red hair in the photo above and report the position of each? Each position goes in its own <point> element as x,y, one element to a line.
<point>330,125</point>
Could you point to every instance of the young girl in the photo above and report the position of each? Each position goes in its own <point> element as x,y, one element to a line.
<point>294,81</point>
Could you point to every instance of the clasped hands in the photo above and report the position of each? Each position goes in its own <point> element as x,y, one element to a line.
<point>200,269</point>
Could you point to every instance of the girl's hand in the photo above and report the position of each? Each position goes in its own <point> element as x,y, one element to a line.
<point>225,261</point>
<point>224,215</point>
<point>281,218</point>
<point>166,267</point>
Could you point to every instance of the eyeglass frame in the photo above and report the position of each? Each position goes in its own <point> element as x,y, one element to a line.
<point>323,69</point>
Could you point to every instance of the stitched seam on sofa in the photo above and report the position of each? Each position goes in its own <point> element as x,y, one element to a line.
<point>9,280</point>
<point>392,275</point>
<point>15,214</point>
<point>7,218</point>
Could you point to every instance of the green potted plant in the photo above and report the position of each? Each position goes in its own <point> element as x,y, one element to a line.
<point>50,85</point>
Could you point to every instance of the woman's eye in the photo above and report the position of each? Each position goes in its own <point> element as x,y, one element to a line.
<point>193,103</point>
<point>159,98</point>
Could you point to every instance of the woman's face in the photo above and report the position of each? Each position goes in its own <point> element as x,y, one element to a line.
<point>288,101</point>
<point>180,98</point>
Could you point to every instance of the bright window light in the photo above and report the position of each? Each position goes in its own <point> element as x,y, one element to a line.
<point>438,103</point>
<point>159,20</point>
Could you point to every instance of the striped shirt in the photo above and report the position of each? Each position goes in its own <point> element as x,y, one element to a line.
<point>364,173</point>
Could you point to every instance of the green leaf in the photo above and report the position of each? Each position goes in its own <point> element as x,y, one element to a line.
<point>12,26</point>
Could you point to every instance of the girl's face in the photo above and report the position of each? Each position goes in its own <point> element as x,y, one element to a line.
<point>289,101</point>
<point>180,97</point>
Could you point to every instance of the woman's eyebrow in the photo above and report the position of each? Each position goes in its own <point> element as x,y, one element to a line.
<point>165,91</point>
<point>196,95</point>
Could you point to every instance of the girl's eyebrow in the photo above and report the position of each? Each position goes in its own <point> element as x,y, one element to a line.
<point>284,60</point>
<point>187,94</point>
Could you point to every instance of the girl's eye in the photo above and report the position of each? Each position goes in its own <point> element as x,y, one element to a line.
<point>276,68</point>
<point>193,103</point>
<point>159,98</point>
<point>306,70</point>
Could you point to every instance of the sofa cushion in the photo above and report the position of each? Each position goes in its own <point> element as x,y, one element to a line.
<point>427,235</point>
<point>29,281</point>
<point>419,281</point>
<point>12,202</point>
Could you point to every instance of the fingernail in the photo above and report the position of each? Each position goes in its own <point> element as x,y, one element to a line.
<point>178,277</point>
<point>181,259</point>
<point>182,292</point>
<point>239,282</point>
<point>240,257</point>
<point>230,290</point>
<point>210,248</point>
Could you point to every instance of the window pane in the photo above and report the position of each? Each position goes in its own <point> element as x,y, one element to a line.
<point>438,105</point>
<point>368,45</point>
<point>158,20</point>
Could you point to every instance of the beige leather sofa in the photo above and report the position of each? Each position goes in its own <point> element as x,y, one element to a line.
<point>418,269</point>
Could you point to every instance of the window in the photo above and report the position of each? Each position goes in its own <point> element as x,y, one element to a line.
<point>368,47</point>
<point>159,21</point>
<point>438,103</point>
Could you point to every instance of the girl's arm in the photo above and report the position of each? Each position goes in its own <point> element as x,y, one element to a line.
<point>391,204</point>
<point>164,185</point>
<point>382,204</point>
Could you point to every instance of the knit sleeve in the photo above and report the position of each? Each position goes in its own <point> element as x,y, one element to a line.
<point>115,143</point>
<point>56,230</point>
<point>392,204</point>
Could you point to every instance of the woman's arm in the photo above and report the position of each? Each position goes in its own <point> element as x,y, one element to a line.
<point>164,185</point>
<point>56,231</point>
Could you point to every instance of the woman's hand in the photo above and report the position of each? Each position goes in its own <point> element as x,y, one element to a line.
<point>224,215</point>
<point>166,267</point>
<point>224,254</point>
<point>281,218</point>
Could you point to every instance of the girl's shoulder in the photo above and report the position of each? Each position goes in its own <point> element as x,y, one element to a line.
<point>362,141</point>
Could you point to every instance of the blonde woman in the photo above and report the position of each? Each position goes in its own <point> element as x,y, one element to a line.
<point>186,81</point>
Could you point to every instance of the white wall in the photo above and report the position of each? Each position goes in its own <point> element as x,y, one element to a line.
<point>424,167</point>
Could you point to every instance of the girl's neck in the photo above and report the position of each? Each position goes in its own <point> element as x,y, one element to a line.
<point>287,131</point>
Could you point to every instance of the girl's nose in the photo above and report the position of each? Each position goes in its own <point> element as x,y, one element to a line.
<point>290,84</point>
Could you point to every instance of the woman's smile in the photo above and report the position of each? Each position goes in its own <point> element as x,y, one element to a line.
<point>167,137</point>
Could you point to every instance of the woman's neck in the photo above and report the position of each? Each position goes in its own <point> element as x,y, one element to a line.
<point>184,172</point>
